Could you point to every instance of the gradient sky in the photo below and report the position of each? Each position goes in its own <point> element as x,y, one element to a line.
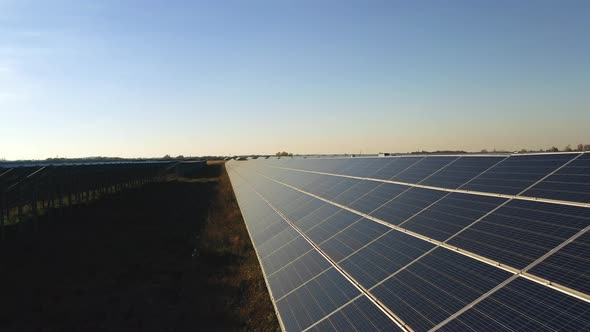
<point>143,78</point>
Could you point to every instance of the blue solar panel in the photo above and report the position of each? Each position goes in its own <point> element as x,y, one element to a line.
<point>523,305</point>
<point>352,238</point>
<point>339,188</point>
<point>324,184</point>
<point>317,298</point>
<point>407,204</point>
<point>277,241</point>
<point>384,256</point>
<point>521,231</point>
<point>451,214</point>
<point>316,217</point>
<point>355,192</point>
<point>297,273</point>
<point>359,315</point>
<point>304,210</point>
<point>422,169</point>
<point>285,255</point>
<point>267,228</point>
<point>571,183</point>
<point>332,225</point>
<point>436,286</point>
<point>365,167</point>
<point>394,167</point>
<point>570,266</point>
<point>517,173</point>
<point>377,197</point>
<point>461,171</point>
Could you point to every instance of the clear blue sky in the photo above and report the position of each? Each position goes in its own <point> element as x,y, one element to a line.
<point>148,78</point>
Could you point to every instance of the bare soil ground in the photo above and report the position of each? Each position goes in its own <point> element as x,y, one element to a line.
<point>172,256</point>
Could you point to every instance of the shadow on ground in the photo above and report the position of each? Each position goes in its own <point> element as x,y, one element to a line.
<point>170,256</point>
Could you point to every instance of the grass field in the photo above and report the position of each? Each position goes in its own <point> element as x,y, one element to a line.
<point>172,256</point>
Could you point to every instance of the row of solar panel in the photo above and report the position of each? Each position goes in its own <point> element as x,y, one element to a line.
<point>512,232</point>
<point>420,283</point>
<point>510,175</point>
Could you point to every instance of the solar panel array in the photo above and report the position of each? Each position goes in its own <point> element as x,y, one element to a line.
<point>419,243</point>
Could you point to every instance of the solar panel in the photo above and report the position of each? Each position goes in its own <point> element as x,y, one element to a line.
<point>395,166</point>
<point>384,256</point>
<point>423,169</point>
<point>451,214</point>
<point>359,315</point>
<point>521,231</point>
<point>436,286</point>
<point>377,197</point>
<point>517,173</point>
<point>570,266</point>
<point>571,183</point>
<point>461,171</point>
<point>407,204</point>
<point>418,243</point>
<point>523,305</point>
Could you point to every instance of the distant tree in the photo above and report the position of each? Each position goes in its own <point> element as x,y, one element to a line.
<point>523,151</point>
<point>484,150</point>
<point>180,157</point>
<point>587,147</point>
<point>282,154</point>
<point>580,147</point>
<point>553,149</point>
<point>290,154</point>
<point>167,157</point>
<point>568,148</point>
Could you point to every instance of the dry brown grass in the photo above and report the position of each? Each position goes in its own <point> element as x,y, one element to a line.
<point>226,234</point>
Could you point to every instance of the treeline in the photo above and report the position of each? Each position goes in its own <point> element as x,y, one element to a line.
<point>439,152</point>
<point>568,148</point>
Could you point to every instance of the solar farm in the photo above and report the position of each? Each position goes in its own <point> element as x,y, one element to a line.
<point>494,242</point>
<point>28,190</point>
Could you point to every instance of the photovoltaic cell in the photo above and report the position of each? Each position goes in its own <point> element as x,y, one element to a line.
<point>521,231</point>
<point>451,214</point>
<point>523,305</point>
<point>280,239</point>
<point>367,167</point>
<point>352,238</point>
<point>316,217</point>
<point>422,169</point>
<point>383,257</point>
<point>517,173</point>
<point>359,315</point>
<point>395,167</point>
<point>305,209</point>
<point>436,286</point>
<point>571,183</point>
<point>339,188</point>
<point>332,225</point>
<point>461,171</point>
<point>355,192</point>
<point>315,299</point>
<point>377,197</point>
<point>285,255</point>
<point>570,266</point>
<point>407,204</point>
<point>297,273</point>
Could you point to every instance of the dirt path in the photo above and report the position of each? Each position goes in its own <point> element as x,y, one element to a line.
<point>172,256</point>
